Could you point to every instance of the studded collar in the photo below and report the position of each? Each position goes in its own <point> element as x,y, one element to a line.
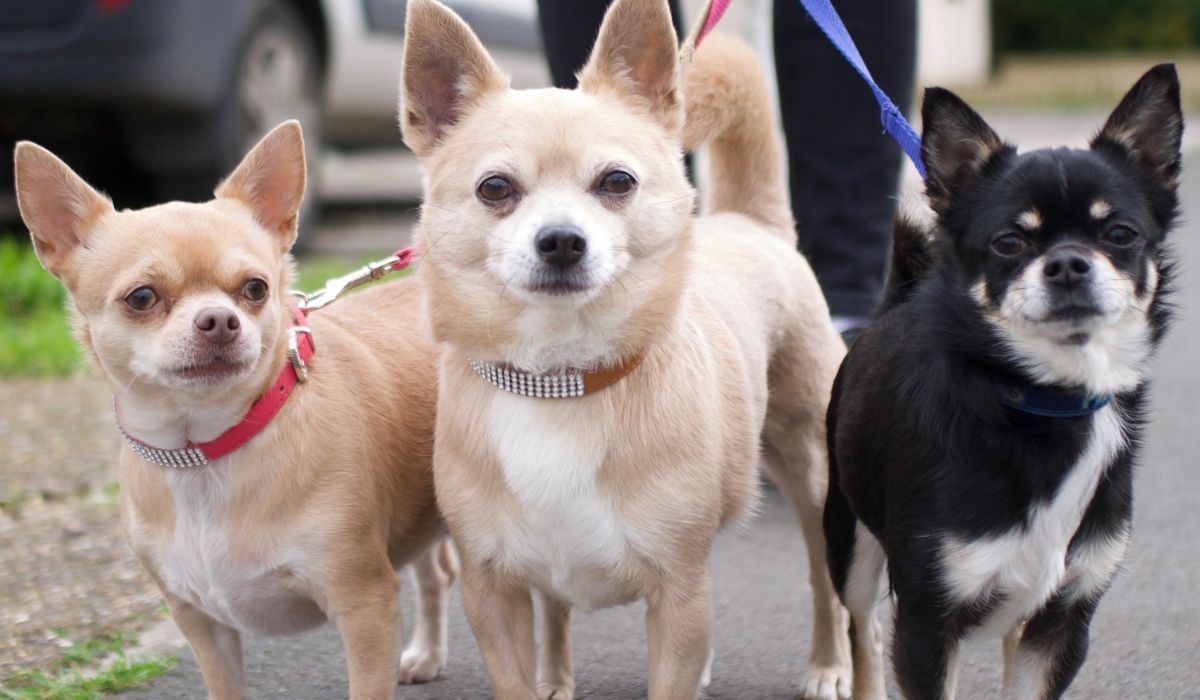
<point>300,351</point>
<point>569,383</point>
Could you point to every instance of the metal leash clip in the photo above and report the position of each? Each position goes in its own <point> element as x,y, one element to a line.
<point>294,357</point>
<point>337,286</point>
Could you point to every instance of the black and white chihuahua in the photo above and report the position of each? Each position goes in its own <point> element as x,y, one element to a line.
<point>983,429</point>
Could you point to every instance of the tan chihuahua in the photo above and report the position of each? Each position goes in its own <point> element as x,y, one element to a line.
<point>185,310</point>
<point>614,368</point>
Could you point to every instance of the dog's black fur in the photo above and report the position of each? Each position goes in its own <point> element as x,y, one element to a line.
<point>922,444</point>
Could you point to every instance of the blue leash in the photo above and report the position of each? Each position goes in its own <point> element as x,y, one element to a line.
<point>894,122</point>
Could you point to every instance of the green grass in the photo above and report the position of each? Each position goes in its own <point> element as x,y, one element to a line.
<point>75,675</point>
<point>35,330</point>
<point>314,270</point>
<point>35,335</point>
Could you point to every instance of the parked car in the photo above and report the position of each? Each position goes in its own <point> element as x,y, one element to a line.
<point>155,99</point>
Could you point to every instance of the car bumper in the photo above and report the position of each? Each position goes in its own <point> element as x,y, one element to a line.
<point>130,55</point>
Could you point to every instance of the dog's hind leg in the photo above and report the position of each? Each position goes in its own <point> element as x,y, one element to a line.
<point>796,462</point>
<point>1012,642</point>
<point>555,677</point>
<point>434,573</point>
<point>861,590</point>
<point>856,561</point>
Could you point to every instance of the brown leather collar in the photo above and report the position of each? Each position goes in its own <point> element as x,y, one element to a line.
<point>558,385</point>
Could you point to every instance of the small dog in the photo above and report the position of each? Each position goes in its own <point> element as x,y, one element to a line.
<point>610,362</point>
<point>983,429</point>
<point>184,309</point>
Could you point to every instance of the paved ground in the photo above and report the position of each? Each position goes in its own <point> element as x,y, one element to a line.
<point>1144,638</point>
<point>67,574</point>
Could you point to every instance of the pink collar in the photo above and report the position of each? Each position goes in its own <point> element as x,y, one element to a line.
<point>300,351</point>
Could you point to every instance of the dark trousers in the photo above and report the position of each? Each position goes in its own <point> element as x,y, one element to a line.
<point>569,29</point>
<point>843,170</point>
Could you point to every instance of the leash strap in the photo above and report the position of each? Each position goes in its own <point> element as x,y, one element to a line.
<point>831,24</point>
<point>894,122</point>
<point>705,22</point>
<point>714,12</point>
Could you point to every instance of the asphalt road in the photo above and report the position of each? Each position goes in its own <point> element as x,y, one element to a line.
<point>1145,639</point>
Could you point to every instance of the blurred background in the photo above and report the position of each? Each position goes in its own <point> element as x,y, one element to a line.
<point>157,99</point>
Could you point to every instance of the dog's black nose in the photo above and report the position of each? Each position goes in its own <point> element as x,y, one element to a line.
<point>560,246</point>
<point>219,325</point>
<point>1066,268</point>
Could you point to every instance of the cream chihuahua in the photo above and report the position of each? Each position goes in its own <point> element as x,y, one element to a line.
<point>614,368</point>
<point>185,310</point>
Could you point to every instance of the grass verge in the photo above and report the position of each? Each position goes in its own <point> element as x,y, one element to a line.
<point>1076,82</point>
<point>87,670</point>
<point>35,335</point>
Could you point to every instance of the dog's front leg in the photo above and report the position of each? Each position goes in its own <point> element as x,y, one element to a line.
<point>501,616</point>
<point>434,571</point>
<point>556,679</point>
<point>924,652</point>
<point>679,634</point>
<point>218,650</point>
<point>1052,647</point>
<point>364,607</point>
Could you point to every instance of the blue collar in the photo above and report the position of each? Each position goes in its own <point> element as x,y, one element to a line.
<point>1052,403</point>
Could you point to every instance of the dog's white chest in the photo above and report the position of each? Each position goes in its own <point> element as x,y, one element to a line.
<point>1028,565</point>
<point>202,567</point>
<point>567,541</point>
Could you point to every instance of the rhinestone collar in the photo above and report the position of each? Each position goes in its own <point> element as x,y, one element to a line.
<point>300,351</point>
<point>566,384</point>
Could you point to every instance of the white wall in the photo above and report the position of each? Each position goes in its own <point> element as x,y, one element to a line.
<point>955,42</point>
<point>954,45</point>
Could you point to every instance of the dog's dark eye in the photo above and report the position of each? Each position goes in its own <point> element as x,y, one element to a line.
<point>1120,236</point>
<point>617,182</point>
<point>495,189</point>
<point>141,299</point>
<point>255,289</point>
<point>1009,245</point>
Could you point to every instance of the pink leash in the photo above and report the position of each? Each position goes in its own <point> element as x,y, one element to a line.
<point>716,10</point>
<point>713,11</point>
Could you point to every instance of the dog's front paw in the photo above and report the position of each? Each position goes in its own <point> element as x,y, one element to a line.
<point>555,691</point>
<point>826,683</point>
<point>419,664</point>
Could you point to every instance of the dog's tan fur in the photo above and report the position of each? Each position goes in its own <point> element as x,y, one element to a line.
<point>739,351</point>
<point>309,520</point>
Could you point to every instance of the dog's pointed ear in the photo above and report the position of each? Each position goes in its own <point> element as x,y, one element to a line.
<point>956,145</point>
<point>1148,124</point>
<point>270,180</point>
<point>59,208</point>
<point>637,55</point>
<point>445,71</point>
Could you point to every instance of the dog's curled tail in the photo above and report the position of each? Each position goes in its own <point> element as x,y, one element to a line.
<point>912,256</point>
<point>729,108</point>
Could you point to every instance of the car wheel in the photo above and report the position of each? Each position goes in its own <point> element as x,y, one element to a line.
<point>277,77</point>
